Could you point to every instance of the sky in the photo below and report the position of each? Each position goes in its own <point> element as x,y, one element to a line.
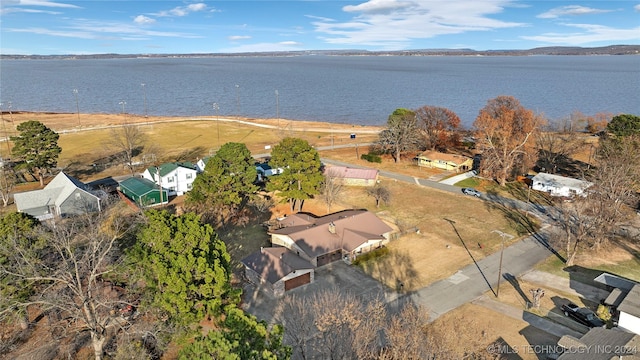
<point>59,27</point>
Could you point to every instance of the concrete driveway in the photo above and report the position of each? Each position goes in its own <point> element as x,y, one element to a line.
<point>339,275</point>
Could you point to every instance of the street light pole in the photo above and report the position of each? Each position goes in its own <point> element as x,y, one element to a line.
<point>216,108</point>
<point>237,100</point>
<point>123,103</point>
<point>503,236</point>
<point>144,91</point>
<point>75,92</point>
<point>278,108</point>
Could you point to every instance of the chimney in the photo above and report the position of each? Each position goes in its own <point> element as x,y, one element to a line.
<point>332,227</point>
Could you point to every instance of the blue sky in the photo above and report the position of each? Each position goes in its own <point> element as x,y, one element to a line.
<point>140,27</point>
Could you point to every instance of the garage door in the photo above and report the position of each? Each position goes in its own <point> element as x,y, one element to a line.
<point>329,257</point>
<point>297,281</point>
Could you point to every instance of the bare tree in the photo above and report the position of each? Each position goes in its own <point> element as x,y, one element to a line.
<point>380,193</point>
<point>406,335</point>
<point>556,144</point>
<point>127,140</point>
<point>401,134</point>
<point>69,274</point>
<point>7,182</point>
<point>331,188</point>
<point>507,132</point>
<point>439,125</point>
<point>333,323</point>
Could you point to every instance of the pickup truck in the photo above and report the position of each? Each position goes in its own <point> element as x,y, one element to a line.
<point>582,315</point>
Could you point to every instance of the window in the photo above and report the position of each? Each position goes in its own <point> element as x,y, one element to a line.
<point>189,186</point>
<point>189,175</point>
<point>170,179</point>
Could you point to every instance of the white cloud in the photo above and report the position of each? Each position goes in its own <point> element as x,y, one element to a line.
<point>143,20</point>
<point>379,6</point>
<point>239,37</point>
<point>43,3</point>
<point>30,11</point>
<point>637,8</point>
<point>183,10</point>
<point>572,10</point>
<point>391,24</point>
<point>590,34</point>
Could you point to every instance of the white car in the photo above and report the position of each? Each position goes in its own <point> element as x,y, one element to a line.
<point>472,192</point>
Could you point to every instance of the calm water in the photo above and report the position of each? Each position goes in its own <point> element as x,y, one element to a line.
<point>356,90</point>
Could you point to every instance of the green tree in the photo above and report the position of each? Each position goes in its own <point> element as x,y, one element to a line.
<point>242,337</point>
<point>186,267</point>
<point>302,176</point>
<point>624,125</point>
<point>37,147</point>
<point>401,134</point>
<point>226,184</point>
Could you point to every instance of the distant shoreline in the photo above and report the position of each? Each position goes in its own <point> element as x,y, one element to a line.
<point>551,50</point>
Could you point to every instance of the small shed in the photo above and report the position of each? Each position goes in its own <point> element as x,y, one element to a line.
<point>353,176</point>
<point>143,192</point>
<point>277,270</point>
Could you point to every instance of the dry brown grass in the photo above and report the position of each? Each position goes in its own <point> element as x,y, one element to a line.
<point>485,327</point>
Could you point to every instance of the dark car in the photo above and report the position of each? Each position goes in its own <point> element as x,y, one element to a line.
<point>582,315</point>
<point>471,192</point>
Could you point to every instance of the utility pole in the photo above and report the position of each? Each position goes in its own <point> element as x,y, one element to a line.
<point>4,127</point>
<point>216,108</point>
<point>503,236</point>
<point>144,90</point>
<point>75,92</point>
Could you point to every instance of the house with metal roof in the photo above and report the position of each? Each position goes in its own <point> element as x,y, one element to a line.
<point>276,270</point>
<point>322,240</point>
<point>177,177</point>
<point>143,192</point>
<point>61,197</point>
<point>556,185</point>
<point>450,162</point>
<point>352,176</point>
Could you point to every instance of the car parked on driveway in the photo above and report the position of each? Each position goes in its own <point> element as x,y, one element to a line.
<point>471,192</point>
<point>582,315</point>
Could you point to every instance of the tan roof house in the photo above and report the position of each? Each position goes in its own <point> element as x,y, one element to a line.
<point>322,240</point>
<point>450,162</point>
<point>276,270</point>
<point>353,176</point>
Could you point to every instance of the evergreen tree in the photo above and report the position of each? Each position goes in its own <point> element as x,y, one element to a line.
<point>37,147</point>
<point>624,125</point>
<point>226,184</point>
<point>302,176</point>
<point>185,265</point>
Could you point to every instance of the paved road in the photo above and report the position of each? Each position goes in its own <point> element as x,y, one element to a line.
<point>476,279</point>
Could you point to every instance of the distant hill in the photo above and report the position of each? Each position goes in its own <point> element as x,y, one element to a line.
<point>552,50</point>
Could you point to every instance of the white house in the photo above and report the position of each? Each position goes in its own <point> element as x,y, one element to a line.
<point>265,170</point>
<point>556,185</point>
<point>202,163</point>
<point>177,177</point>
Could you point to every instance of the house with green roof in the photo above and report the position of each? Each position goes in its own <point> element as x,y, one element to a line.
<point>176,177</point>
<point>143,192</point>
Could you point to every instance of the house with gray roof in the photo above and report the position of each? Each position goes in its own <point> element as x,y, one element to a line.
<point>322,240</point>
<point>177,177</point>
<point>62,197</point>
<point>276,270</point>
<point>600,344</point>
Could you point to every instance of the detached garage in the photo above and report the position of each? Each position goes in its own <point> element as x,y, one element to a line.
<point>143,192</point>
<point>276,270</point>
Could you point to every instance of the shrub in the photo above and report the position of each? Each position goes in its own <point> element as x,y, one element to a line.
<point>373,254</point>
<point>371,158</point>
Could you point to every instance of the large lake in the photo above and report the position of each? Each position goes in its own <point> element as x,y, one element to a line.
<point>344,89</point>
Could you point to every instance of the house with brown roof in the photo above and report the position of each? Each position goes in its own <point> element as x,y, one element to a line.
<point>352,176</point>
<point>276,270</point>
<point>449,162</point>
<point>322,240</point>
